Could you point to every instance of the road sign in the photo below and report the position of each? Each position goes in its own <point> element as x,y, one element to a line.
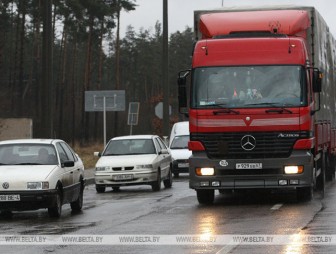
<point>114,100</point>
<point>133,113</point>
<point>159,110</point>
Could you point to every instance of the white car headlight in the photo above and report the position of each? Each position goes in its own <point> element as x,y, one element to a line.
<point>38,185</point>
<point>150,166</point>
<point>103,168</point>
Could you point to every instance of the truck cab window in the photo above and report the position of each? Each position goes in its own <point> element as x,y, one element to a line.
<point>241,87</point>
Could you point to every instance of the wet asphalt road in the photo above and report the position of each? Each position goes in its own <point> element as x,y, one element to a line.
<point>139,211</point>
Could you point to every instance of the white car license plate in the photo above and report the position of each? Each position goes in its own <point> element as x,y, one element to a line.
<point>248,165</point>
<point>183,165</point>
<point>9,198</point>
<point>123,177</point>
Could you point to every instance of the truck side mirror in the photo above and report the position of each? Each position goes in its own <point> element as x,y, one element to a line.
<point>182,91</point>
<point>317,81</point>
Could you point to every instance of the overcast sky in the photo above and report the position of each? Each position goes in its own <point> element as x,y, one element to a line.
<point>180,12</point>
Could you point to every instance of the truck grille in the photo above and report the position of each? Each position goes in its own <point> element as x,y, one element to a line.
<point>228,145</point>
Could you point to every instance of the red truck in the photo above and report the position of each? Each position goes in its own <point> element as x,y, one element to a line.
<point>261,101</point>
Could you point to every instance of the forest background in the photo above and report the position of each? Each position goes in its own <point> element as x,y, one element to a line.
<point>88,55</point>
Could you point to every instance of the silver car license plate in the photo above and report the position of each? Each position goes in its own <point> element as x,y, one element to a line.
<point>248,165</point>
<point>123,177</point>
<point>9,198</point>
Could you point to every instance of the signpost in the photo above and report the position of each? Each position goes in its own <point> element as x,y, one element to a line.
<point>133,114</point>
<point>102,101</point>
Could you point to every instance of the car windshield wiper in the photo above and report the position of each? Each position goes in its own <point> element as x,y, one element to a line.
<point>278,108</point>
<point>29,163</point>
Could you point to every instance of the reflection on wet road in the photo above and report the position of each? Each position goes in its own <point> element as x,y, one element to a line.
<point>140,211</point>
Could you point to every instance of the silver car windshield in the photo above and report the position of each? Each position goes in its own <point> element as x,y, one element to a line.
<point>129,147</point>
<point>249,86</point>
<point>28,154</point>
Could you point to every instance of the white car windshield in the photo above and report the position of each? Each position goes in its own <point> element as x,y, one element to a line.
<point>28,154</point>
<point>129,147</point>
<point>180,142</point>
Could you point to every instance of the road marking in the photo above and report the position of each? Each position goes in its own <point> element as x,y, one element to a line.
<point>227,249</point>
<point>276,207</point>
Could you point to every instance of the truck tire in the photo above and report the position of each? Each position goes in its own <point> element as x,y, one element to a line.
<point>321,179</point>
<point>205,197</point>
<point>330,168</point>
<point>304,193</point>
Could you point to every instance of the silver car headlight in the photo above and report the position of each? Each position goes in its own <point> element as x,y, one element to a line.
<point>149,166</point>
<point>103,168</point>
<point>37,185</point>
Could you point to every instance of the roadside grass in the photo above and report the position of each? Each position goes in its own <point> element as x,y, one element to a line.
<point>86,154</point>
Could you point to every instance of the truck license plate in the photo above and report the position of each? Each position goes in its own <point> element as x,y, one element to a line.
<point>123,177</point>
<point>248,165</point>
<point>183,165</point>
<point>9,198</point>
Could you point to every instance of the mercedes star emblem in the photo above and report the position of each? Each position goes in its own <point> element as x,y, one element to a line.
<point>248,142</point>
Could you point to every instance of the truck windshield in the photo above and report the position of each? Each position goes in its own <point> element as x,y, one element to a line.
<point>249,87</point>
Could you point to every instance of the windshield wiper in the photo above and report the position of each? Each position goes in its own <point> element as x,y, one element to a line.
<point>29,163</point>
<point>225,111</point>
<point>277,108</point>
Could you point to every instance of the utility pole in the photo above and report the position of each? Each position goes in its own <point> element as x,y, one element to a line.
<point>47,72</point>
<point>165,61</point>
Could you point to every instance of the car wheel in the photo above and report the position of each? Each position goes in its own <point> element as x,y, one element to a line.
<point>56,210</point>
<point>116,188</point>
<point>100,189</point>
<point>78,203</point>
<point>169,181</point>
<point>156,186</point>
<point>205,197</point>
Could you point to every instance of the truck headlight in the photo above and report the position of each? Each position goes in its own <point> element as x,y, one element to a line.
<point>293,170</point>
<point>38,185</point>
<point>205,171</point>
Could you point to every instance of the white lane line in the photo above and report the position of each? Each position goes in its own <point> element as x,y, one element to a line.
<point>227,249</point>
<point>276,207</point>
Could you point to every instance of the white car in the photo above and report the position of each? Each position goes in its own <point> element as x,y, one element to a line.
<point>178,146</point>
<point>40,173</point>
<point>134,160</point>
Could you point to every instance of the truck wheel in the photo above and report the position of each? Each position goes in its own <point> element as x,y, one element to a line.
<point>176,174</point>
<point>321,179</point>
<point>205,197</point>
<point>304,193</point>
<point>330,168</point>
